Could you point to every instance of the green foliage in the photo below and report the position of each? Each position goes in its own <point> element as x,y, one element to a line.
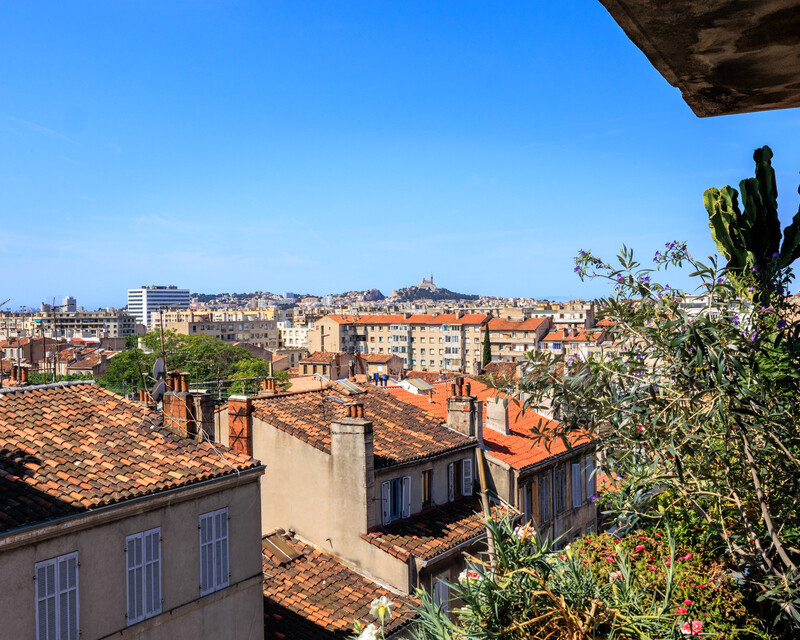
<point>487,348</point>
<point>204,357</point>
<point>640,586</point>
<point>246,370</point>
<point>750,239</point>
<point>701,404</point>
<point>131,342</point>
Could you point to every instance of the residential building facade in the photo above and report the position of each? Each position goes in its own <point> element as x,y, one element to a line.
<point>145,301</point>
<point>117,524</point>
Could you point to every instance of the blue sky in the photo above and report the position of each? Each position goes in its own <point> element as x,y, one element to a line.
<point>326,146</point>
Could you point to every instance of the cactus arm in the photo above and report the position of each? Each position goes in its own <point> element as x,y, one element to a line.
<point>790,251</point>
<point>724,219</point>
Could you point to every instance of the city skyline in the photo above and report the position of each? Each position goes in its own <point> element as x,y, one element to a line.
<point>299,147</point>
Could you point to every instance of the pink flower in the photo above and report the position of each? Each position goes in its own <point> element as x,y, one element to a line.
<point>701,586</point>
<point>639,547</point>
<point>688,556</point>
<point>693,628</point>
<point>668,562</point>
<point>687,602</point>
<point>609,559</point>
<point>563,557</point>
<point>680,610</point>
<point>615,575</point>
<point>652,568</point>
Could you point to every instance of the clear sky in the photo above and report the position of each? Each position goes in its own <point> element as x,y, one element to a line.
<point>321,146</point>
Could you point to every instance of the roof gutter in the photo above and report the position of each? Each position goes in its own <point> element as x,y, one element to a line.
<point>435,456</point>
<point>75,522</point>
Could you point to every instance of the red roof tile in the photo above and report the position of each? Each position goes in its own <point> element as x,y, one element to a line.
<point>315,596</point>
<point>571,335</point>
<point>531,324</point>
<point>74,447</point>
<point>432,531</point>
<point>400,433</point>
<point>520,448</point>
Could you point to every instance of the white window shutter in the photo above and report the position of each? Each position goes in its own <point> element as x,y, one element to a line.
<point>590,479</point>
<point>135,566</point>
<point>577,485</point>
<point>386,509</point>
<point>441,595</point>
<point>466,476</point>
<point>451,481</point>
<point>46,600</point>
<point>406,496</point>
<point>152,578</point>
<point>206,554</point>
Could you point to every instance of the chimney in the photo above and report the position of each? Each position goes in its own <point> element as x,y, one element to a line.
<point>464,412</point>
<point>23,375</point>
<point>178,409</point>
<point>240,424</point>
<point>355,507</point>
<point>497,416</point>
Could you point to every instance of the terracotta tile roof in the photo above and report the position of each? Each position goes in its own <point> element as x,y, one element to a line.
<point>92,360</point>
<point>400,433</point>
<point>420,318</point>
<point>498,370</point>
<point>605,322</point>
<point>323,356</point>
<point>431,376</point>
<point>432,531</point>
<point>69,448</point>
<point>520,448</point>
<point>377,357</point>
<point>315,596</point>
<point>531,324</point>
<point>569,335</point>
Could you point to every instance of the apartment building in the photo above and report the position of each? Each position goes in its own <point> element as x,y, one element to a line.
<point>68,324</point>
<point>550,483</point>
<point>425,342</point>
<point>144,302</point>
<point>382,485</point>
<point>573,342</point>
<point>229,326</point>
<point>510,339</point>
<point>118,524</point>
<point>293,336</point>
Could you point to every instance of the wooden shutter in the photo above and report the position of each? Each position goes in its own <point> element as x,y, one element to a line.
<point>206,553</point>
<point>590,479</point>
<point>466,477</point>
<point>152,572</point>
<point>386,503</point>
<point>451,481</point>
<point>221,569</point>
<point>406,496</point>
<point>134,562</point>
<point>46,600</point>
<point>577,485</point>
<point>441,595</point>
<point>68,597</point>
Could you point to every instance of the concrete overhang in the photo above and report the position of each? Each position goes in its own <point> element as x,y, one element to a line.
<point>726,56</point>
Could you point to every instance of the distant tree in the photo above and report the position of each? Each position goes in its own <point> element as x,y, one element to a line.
<point>131,342</point>
<point>487,348</point>
<point>255,368</point>
<point>128,367</point>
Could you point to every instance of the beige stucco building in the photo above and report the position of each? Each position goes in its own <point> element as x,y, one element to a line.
<point>117,526</point>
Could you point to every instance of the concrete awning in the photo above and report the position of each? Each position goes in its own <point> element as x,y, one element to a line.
<point>726,56</point>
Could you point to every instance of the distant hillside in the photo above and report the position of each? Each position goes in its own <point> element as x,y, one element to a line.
<point>410,294</point>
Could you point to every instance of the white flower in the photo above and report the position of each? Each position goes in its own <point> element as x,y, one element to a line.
<point>524,532</point>
<point>381,609</point>
<point>370,632</point>
<point>469,575</point>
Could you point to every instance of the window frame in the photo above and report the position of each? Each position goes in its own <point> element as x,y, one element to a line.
<point>560,489</point>
<point>212,549</point>
<point>577,485</point>
<point>395,491</point>
<point>58,592</point>
<point>147,593</point>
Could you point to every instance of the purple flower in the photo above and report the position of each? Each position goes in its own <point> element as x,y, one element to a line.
<point>720,280</point>
<point>576,269</point>
<point>781,324</point>
<point>774,255</point>
<point>736,321</point>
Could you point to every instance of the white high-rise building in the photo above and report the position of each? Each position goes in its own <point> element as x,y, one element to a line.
<point>143,302</point>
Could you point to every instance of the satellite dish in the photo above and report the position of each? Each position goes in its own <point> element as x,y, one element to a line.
<point>158,390</point>
<point>158,369</point>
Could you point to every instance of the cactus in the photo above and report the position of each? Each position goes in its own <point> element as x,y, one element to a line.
<point>752,238</point>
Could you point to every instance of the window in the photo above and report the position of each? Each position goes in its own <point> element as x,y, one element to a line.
<point>441,595</point>
<point>577,485</point>
<point>555,345</point>
<point>143,562</point>
<point>213,551</point>
<point>395,499</point>
<point>57,598</point>
<point>590,479</point>
<point>561,489</point>
<point>427,488</point>
<point>544,500</point>
<point>459,478</point>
